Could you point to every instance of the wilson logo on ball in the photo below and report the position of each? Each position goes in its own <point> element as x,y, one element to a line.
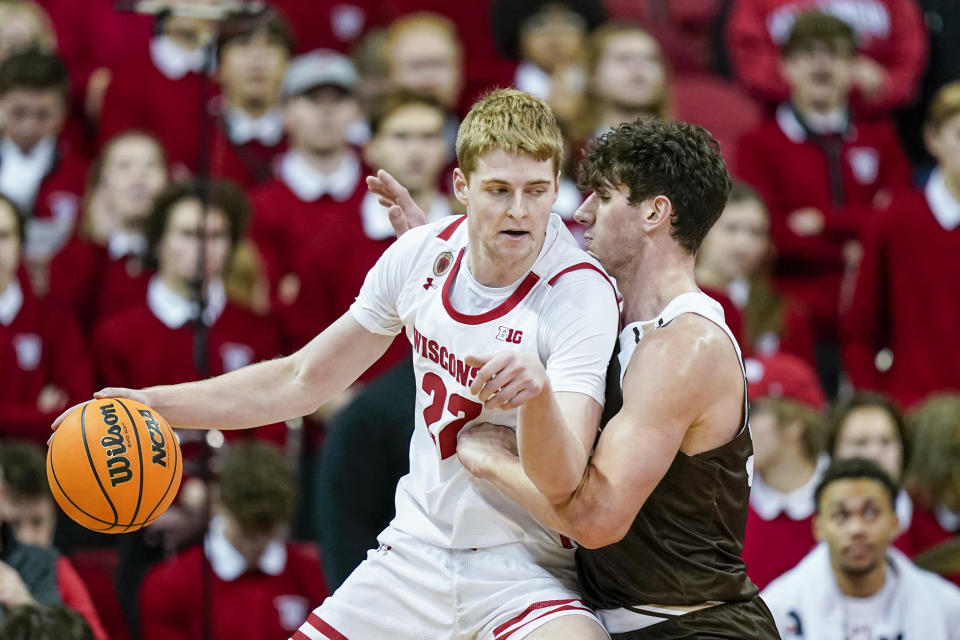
<point>118,464</point>
<point>157,440</point>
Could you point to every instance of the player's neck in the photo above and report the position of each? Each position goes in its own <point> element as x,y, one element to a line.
<point>652,282</point>
<point>789,473</point>
<point>861,586</point>
<point>491,271</point>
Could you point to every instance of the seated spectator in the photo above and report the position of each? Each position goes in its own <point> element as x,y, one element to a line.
<point>44,622</point>
<point>785,404</point>
<point>855,584</point>
<point>44,364</point>
<point>263,587</point>
<point>934,478</point>
<point>548,39</point>
<point>38,169</point>
<point>159,91</point>
<point>24,25</point>
<point>886,69</point>
<point>907,255</point>
<point>821,172</point>
<point>28,507</point>
<point>626,77</point>
<point>408,144</point>
<point>254,51</point>
<point>153,340</point>
<point>733,267</point>
<point>868,425</point>
<point>102,268</point>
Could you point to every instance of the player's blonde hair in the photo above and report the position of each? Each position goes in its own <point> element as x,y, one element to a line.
<point>946,104</point>
<point>511,120</point>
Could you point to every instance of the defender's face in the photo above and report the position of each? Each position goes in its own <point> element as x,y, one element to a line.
<point>508,199</point>
<point>869,432</point>
<point>612,228</point>
<point>858,523</point>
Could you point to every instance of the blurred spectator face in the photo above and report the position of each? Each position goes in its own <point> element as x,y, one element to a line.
<point>629,71</point>
<point>132,175</point>
<point>251,544</point>
<point>22,25</point>
<point>410,146</point>
<point>9,244</point>
<point>424,58</point>
<point>943,142</point>
<point>768,437</point>
<point>188,32</point>
<point>30,115</point>
<point>820,75</point>
<point>318,119</point>
<point>179,247</point>
<point>870,432</point>
<point>33,519</point>
<point>739,242</point>
<point>553,37</point>
<point>251,69</point>
<point>858,523</point>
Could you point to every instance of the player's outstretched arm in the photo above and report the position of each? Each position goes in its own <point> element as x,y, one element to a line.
<point>271,391</point>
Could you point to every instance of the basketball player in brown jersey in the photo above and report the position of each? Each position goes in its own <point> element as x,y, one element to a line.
<point>660,506</point>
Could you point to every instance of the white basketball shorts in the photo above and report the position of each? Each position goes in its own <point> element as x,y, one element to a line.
<point>410,590</point>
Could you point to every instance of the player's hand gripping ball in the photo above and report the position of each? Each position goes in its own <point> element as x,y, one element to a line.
<point>114,465</point>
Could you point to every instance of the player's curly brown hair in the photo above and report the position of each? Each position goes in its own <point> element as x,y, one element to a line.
<point>257,486</point>
<point>652,157</point>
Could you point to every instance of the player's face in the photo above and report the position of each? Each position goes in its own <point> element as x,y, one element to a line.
<point>133,174</point>
<point>612,230</point>
<point>858,523</point>
<point>508,199</point>
<point>251,69</point>
<point>738,243</point>
<point>424,59</point>
<point>869,432</point>
<point>180,246</point>
<point>30,115</point>
<point>944,145</point>
<point>9,245</point>
<point>410,146</point>
<point>630,73</point>
<point>33,520</point>
<point>318,119</point>
<point>819,77</point>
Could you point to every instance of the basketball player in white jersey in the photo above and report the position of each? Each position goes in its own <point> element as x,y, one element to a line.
<point>460,560</point>
<point>660,508</point>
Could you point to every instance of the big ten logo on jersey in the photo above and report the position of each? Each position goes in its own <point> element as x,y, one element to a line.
<point>506,334</point>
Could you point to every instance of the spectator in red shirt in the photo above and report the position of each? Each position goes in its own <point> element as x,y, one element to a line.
<point>44,364</point>
<point>869,425</point>
<point>263,586</point>
<point>733,267</point>
<point>152,341</point>
<point>38,170</point>
<point>102,269</point>
<point>785,403</point>
<point>934,477</point>
<point>27,506</point>
<point>821,173</point>
<point>911,254</point>
<point>254,52</point>
<point>891,42</point>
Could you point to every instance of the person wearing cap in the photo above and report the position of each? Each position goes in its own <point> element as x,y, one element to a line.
<point>854,584</point>
<point>785,404</point>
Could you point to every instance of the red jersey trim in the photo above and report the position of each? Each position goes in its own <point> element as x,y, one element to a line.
<point>450,228</point>
<point>314,621</point>
<point>584,265</point>
<point>501,310</point>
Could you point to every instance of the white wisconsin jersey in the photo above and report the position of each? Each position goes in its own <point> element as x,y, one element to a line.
<point>563,311</point>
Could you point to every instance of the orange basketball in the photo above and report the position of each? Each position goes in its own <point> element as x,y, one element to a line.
<point>114,465</point>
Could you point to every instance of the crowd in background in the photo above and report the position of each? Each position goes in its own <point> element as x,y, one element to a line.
<point>837,259</point>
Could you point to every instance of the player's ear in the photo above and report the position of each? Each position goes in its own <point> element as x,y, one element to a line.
<point>659,211</point>
<point>460,186</point>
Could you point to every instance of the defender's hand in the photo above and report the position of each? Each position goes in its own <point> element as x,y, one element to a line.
<point>480,446</point>
<point>403,211</point>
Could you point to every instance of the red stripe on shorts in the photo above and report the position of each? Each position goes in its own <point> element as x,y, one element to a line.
<point>314,621</point>
<point>569,607</point>
<point>533,607</point>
